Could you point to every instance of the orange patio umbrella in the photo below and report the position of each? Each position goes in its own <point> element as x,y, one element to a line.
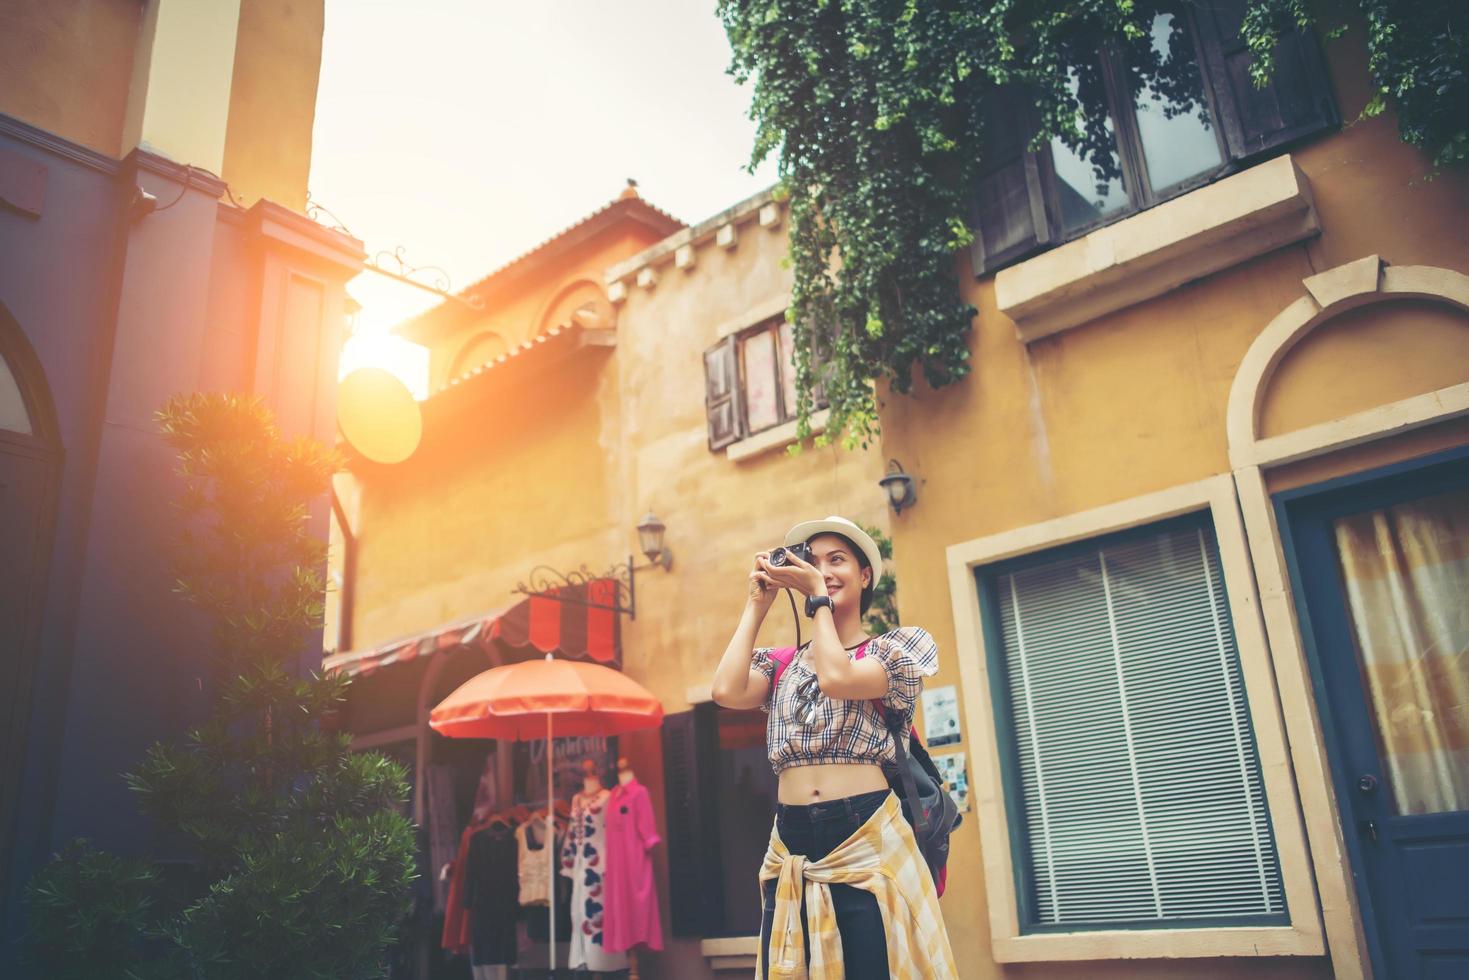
<point>541,699</point>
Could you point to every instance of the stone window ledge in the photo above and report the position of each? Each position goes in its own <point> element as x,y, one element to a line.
<point>774,438</point>
<point>1206,230</point>
<point>731,954</point>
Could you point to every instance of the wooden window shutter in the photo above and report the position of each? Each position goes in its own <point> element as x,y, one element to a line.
<point>1010,219</point>
<point>821,353</point>
<point>1296,103</point>
<point>722,394</point>
<point>694,875</point>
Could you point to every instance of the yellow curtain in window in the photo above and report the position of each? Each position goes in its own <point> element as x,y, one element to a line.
<point>1406,572</point>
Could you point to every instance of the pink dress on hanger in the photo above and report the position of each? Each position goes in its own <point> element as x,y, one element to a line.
<point>632,901</point>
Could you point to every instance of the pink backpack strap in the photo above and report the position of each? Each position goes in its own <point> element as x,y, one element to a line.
<point>781,657</point>
<point>877,702</point>
<point>882,710</point>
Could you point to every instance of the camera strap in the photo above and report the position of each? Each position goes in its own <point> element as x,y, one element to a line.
<point>795,615</point>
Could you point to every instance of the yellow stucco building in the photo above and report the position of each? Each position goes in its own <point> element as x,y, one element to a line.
<point>1143,536</point>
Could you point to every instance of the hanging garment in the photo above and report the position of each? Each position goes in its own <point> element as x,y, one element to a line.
<point>535,873</point>
<point>632,901</point>
<point>489,895</point>
<point>584,861</point>
<point>456,936</point>
<point>537,917</point>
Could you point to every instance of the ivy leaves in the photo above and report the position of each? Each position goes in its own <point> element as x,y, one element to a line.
<point>1418,60</point>
<point>877,109</point>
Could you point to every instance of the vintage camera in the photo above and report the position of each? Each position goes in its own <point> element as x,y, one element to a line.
<point>781,556</point>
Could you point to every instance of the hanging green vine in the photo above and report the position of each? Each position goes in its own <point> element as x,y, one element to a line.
<point>876,110</point>
<point>1417,58</point>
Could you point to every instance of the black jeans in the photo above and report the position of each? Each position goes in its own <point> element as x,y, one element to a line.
<point>814,831</point>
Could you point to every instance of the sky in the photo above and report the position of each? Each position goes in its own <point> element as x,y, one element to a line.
<point>466,132</point>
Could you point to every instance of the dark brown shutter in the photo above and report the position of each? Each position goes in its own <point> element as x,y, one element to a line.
<point>1296,103</point>
<point>721,394</point>
<point>695,881</point>
<point>1010,220</point>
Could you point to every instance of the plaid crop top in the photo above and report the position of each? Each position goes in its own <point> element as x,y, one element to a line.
<point>847,731</point>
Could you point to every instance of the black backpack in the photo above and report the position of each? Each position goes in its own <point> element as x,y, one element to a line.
<point>936,814</point>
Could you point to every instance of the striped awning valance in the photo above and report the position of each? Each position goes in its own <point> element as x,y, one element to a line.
<point>571,625</point>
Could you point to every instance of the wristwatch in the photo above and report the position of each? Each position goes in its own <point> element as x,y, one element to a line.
<point>815,602</point>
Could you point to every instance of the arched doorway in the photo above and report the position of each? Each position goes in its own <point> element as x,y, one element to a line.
<point>30,470</point>
<point>1362,571</point>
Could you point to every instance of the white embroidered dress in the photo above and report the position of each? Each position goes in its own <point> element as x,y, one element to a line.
<point>584,861</point>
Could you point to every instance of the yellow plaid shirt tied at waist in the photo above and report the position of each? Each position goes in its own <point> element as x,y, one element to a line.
<point>881,858</point>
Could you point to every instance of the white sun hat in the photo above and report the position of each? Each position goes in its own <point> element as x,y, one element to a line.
<point>807,530</point>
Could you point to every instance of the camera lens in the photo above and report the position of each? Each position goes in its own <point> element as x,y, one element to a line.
<point>778,556</point>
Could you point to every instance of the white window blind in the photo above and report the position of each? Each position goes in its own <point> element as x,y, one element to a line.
<point>1140,785</point>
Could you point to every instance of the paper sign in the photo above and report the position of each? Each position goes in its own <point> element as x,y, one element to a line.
<point>951,768</point>
<point>941,716</point>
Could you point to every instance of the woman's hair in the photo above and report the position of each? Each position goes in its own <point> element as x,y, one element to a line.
<point>867,591</point>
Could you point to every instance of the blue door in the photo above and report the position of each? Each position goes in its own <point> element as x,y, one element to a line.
<point>1382,565</point>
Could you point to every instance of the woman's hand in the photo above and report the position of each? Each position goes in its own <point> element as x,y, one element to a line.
<point>762,590</point>
<point>796,574</point>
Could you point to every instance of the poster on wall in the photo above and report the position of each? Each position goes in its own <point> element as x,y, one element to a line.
<point>530,766</point>
<point>941,716</point>
<point>951,768</point>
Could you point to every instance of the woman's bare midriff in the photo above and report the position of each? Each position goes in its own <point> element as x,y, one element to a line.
<point>800,785</point>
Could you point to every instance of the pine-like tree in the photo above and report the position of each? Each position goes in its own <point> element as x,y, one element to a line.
<point>306,861</point>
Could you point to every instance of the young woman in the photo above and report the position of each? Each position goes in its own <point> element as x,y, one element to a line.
<point>840,838</point>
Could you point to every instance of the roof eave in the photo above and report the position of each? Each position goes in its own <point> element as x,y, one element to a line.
<point>432,325</point>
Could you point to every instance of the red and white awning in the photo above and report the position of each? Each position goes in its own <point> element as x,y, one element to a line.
<point>576,629</point>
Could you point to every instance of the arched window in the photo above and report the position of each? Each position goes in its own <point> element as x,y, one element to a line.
<point>30,471</point>
<point>481,349</point>
<point>582,302</point>
<point>13,414</point>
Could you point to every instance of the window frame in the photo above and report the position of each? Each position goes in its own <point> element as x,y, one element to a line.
<point>732,338</point>
<point>783,412</point>
<point>1127,136</point>
<point>1215,499</point>
<point>1226,127</point>
<point>986,581</point>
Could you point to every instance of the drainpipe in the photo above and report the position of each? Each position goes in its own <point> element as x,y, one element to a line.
<point>349,574</point>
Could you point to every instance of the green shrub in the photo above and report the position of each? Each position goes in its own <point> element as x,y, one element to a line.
<point>304,855</point>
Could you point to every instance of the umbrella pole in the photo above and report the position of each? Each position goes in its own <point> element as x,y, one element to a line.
<point>551,835</point>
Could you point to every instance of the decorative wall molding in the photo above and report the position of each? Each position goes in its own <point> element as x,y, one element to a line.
<point>777,437</point>
<point>196,178</point>
<point>722,229</point>
<point>1144,256</point>
<point>41,139</point>
<point>1329,294</point>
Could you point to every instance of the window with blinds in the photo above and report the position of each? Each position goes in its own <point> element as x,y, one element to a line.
<point>1133,781</point>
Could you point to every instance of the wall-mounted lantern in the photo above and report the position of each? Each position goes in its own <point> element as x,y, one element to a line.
<point>650,538</point>
<point>901,490</point>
